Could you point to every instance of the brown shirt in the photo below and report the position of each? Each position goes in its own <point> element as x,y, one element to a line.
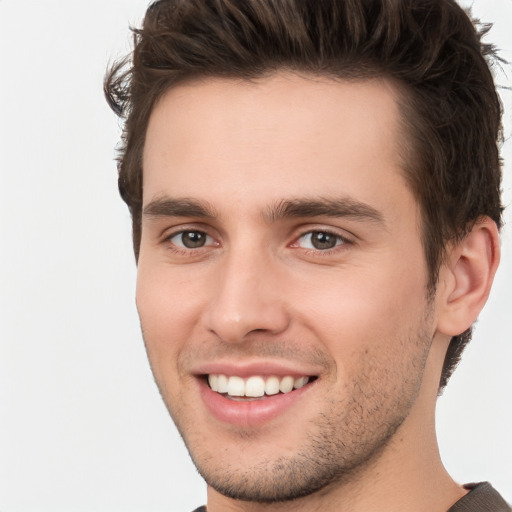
<point>480,498</point>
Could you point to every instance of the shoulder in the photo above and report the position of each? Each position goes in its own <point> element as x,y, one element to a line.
<point>480,497</point>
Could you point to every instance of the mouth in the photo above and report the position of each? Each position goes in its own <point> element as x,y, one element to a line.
<point>255,394</point>
<point>255,387</point>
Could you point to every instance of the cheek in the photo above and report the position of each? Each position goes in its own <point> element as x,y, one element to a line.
<point>168,304</point>
<point>375,329</point>
<point>362,307</point>
<point>167,298</point>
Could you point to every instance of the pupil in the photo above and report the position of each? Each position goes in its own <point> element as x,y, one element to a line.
<point>193,239</point>
<point>323,240</point>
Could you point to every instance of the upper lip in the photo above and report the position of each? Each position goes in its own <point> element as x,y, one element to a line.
<point>248,369</point>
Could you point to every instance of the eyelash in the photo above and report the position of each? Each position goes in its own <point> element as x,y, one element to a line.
<point>341,242</point>
<point>187,250</point>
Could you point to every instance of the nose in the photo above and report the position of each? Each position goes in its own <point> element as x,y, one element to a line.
<point>248,298</point>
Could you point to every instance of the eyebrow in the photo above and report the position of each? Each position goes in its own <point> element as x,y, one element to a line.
<point>324,207</point>
<point>179,207</point>
<point>285,209</point>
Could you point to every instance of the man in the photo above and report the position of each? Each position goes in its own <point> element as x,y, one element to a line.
<point>314,189</point>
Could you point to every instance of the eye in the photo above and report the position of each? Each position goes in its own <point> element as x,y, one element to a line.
<point>320,240</point>
<point>191,239</point>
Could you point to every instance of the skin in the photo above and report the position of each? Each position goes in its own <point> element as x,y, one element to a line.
<point>356,316</point>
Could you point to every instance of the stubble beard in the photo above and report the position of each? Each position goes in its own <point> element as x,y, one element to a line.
<point>339,446</point>
<point>327,458</point>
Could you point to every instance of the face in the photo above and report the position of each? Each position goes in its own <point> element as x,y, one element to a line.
<point>281,280</point>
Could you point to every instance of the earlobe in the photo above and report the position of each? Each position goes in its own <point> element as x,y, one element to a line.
<point>467,277</point>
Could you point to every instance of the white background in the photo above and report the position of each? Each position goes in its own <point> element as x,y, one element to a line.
<point>82,427</point>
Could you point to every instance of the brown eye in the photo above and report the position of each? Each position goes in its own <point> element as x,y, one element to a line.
<point>191,239</point>
<point>320,240</point>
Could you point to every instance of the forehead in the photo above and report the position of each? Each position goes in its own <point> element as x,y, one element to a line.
<point>284,134</point>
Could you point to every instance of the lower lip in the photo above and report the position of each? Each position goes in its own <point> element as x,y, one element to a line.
<point>253,413</point>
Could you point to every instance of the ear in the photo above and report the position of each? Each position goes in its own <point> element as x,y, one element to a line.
<point>466,277</point>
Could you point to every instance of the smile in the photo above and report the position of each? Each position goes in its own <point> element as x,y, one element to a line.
<point>255,386</point>
<point>256,398</point>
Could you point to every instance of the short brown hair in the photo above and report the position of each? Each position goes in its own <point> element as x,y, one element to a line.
<point>430,48</point>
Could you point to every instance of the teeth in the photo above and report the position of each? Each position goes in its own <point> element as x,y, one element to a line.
<point>236,386</point>
<point>300,382</point>
<point>286,385</point>
<point>255,386</point>
<point>272,386</point>
<point>222,384</point>
<point>213,380</point>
